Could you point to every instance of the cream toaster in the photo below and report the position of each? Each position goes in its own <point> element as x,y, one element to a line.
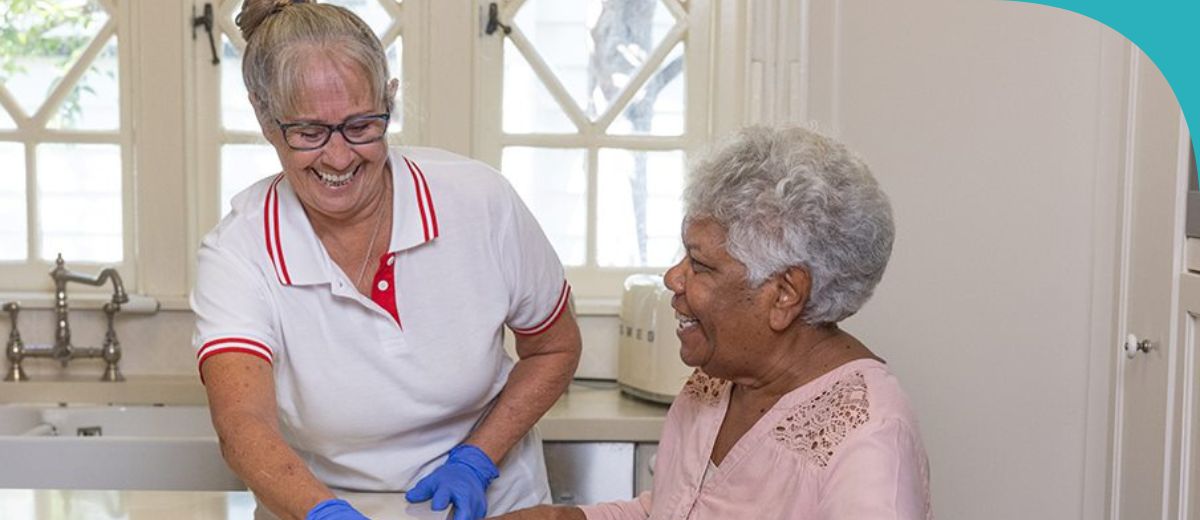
<point>648,364</point>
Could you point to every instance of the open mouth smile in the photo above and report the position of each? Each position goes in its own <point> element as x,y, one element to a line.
<point>334,180</point>
<point>685,321</point>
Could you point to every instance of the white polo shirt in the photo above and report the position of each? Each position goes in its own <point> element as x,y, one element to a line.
<point>373,398</point>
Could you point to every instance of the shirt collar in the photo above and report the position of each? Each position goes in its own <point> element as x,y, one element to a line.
<point>414,216</point>
<point>297,255</point>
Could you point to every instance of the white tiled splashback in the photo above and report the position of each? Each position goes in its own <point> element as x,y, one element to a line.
<point>160,344</point>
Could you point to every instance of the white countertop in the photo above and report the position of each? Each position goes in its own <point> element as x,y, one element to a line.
<point>45,504</point>
<point>588,411</point>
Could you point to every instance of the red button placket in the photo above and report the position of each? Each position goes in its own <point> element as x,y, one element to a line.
<point>383,287</point>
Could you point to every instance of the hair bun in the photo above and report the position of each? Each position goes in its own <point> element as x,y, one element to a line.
<point>255,12</point>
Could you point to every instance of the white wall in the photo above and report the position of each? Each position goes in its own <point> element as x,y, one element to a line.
<point>993,127</point>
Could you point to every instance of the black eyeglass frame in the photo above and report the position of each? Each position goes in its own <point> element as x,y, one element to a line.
<point>339,128</point>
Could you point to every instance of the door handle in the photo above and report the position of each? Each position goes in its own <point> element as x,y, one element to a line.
<point>1133,346</point>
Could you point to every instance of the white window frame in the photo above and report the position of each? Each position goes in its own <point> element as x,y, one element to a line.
<point>598,288</point>
<point>22,280</point>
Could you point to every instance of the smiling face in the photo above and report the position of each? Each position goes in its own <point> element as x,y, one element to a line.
<point>340,181</point>
<point>723,323</point>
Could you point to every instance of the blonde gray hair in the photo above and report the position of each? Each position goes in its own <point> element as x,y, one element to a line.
<point>790,197</point>
<point>282,34</point>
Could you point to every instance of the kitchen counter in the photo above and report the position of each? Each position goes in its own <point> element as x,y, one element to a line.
<point>42,504</point>
<point>588,411</point>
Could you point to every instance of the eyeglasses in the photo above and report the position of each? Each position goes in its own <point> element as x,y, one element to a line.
<point>356,130</point>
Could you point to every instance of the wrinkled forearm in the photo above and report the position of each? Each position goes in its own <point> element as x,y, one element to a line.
<point>257,453</point>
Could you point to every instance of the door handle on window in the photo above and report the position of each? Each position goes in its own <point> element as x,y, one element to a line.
<point>493,21</point>
<point>206,21</point>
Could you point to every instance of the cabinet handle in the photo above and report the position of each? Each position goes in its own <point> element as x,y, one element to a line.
<point>1133,346</point>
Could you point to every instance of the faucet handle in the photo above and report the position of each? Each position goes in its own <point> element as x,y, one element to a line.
<point>12,308</point>
<point>14,349</point>
<point>14,335</point>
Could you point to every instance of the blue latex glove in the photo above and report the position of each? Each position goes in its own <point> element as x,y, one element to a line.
<point>334,509</point>
<point>463,480</point>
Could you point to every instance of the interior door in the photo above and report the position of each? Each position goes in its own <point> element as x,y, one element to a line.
<point>1146,460</point>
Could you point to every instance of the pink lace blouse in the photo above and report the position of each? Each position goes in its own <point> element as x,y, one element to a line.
<point>842,447</point>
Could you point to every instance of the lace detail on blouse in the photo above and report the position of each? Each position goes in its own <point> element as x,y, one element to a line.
<point>704,388</point>
<point>815,428</point>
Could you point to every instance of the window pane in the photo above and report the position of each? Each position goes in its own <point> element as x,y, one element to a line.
<point>639,208</point>
<point>658,107</point>
<point>594,47</point>
<point>236,112</point>
<point>528,106</point>
<point>79,198</point>
<point>553,183</point>
<point>95,102</point>
<point>46,40</point>
<point>12,203</point>
<point>242,165</point>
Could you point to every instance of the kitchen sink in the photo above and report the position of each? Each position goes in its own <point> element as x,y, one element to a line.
<point>111,447</point>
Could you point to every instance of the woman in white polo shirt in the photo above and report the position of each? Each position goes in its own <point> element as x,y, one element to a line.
<point>350,310</point>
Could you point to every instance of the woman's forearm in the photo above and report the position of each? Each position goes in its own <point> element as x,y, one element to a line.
<point>533,386</point>
<point>259,456</point>
<point>547,364</point>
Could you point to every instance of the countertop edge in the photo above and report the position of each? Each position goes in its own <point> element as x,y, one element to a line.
<point>585,413</point>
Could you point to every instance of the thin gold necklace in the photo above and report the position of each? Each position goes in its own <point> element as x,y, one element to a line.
<point>367,254</point>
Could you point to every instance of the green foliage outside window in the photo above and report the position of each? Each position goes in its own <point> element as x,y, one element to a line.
<point>46,30</point>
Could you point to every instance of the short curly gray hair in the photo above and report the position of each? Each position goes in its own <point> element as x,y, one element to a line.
<point>791,197</point>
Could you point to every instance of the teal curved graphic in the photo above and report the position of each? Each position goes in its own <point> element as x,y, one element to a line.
<point>1168,31</point>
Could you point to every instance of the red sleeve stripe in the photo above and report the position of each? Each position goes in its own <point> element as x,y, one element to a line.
<point>221,344</point>
<point>424,201</point>
<point>224,345</point>
<point>563,297</point>
<point>271,232</point>
<point>232,348</point>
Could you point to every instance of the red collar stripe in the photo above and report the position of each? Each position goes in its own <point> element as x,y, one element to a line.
<point>428,200</point>
<point>563,298</point>
<point>424,201</point>
<point>233,344</point>
<point>271,232</point>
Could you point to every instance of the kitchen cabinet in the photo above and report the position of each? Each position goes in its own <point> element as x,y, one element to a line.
<point>591,472</point>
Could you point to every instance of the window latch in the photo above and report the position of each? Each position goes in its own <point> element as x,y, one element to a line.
<point>494,22</point>
<point>206,21</point>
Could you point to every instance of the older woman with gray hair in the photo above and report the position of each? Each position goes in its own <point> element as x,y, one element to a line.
<point>786,416</point>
